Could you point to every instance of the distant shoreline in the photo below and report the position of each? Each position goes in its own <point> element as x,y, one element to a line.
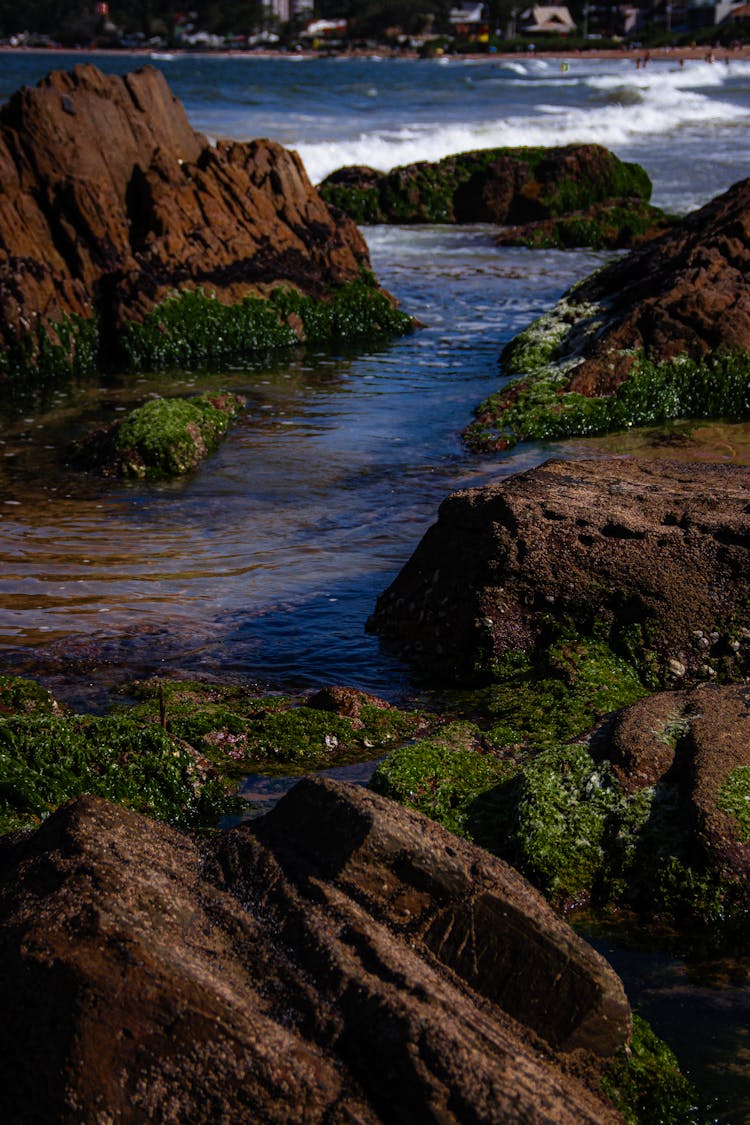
<point>651,55</point>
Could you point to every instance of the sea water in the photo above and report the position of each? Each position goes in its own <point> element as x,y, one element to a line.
<point>264,565</point>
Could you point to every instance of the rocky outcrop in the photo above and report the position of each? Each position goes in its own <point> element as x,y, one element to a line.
<point>111,203</point>
<point>653,558</point>
<point>687,294</point>
<point>341,959</point>
<point>662,333</point>
<point>604,201</point>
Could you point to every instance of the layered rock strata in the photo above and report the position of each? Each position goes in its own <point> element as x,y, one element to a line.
<point>341,959</point>
<point>653,558</point>
<point>111,203</point>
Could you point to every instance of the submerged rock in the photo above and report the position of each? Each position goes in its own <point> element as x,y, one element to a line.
<point>662,333</point>
<point>652,560</point>
<point>166,437</point>
<point>604,201</point>
<point>341,959</point>
<point>125,236</point>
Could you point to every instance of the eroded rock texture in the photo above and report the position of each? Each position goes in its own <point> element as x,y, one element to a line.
<point>340,960</point>
<point>698,740</point>
<point>687,293</point>
<point>654,557</point>
<point>110,201</point>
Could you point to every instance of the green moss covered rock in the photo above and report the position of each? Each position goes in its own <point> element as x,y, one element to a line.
<point>165,437</point>
<point>195,328</point>
<point>657,335</point>
<point>579,195</point>
<point>46,760</point>
<point>239,732</point>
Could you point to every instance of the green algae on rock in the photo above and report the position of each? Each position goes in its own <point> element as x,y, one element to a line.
<point>237,731</point>
<point>19,696</point>
<point>626,819</point>
<point>539,407</point>
<point>645,1082</point>
<point>660,334</point>
<point>616,225</point>
<point>46,760</point>
<point>576,195</point>
<point>165,437</point>
<point>194,328</point>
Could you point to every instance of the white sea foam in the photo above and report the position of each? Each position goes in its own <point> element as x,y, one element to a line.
<point>664,109</point>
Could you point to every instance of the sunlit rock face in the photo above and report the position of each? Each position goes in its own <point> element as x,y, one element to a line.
<point>110,202</point>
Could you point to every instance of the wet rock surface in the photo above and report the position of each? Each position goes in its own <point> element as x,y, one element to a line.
<point>111,202</point>
<point>341,959</point>
<point>525,189</point>
<point>685,294</point>
<point>162,438</point>
<point>651,557</point>
<point>698,740</point>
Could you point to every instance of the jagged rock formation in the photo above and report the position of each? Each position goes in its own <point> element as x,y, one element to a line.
<point>340,960</point>
<point>686,294</point>
<point>579,195</point>
<point>662,333</point>
<point>652,557</point>
<point>110,202</point>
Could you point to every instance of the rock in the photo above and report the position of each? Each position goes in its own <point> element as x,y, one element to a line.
<point>347,702</point>
<point>662,333</point>
<point>700,740</point>
<point>340,960</point>
<point>523,188</point>
<point>613,225</point>
<point>650,814</point>
<point>111,204</point>
<point>650,558</point>
<point>166,437</point>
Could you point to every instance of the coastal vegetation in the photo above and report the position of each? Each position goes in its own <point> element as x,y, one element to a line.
<point>538,407</point>
<point>176,752</point>
<point>194,329</point>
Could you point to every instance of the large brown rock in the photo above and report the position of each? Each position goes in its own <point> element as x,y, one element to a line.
<point>341,960</point>
<point>653,556</point>
<point>110,201</point>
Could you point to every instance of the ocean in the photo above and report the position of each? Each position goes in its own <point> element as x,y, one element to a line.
<point>265,565</point>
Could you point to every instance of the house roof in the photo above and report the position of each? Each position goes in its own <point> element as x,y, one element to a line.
<point>543,18</point>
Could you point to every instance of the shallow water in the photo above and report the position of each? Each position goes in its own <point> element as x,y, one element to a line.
<point>267,562</point>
